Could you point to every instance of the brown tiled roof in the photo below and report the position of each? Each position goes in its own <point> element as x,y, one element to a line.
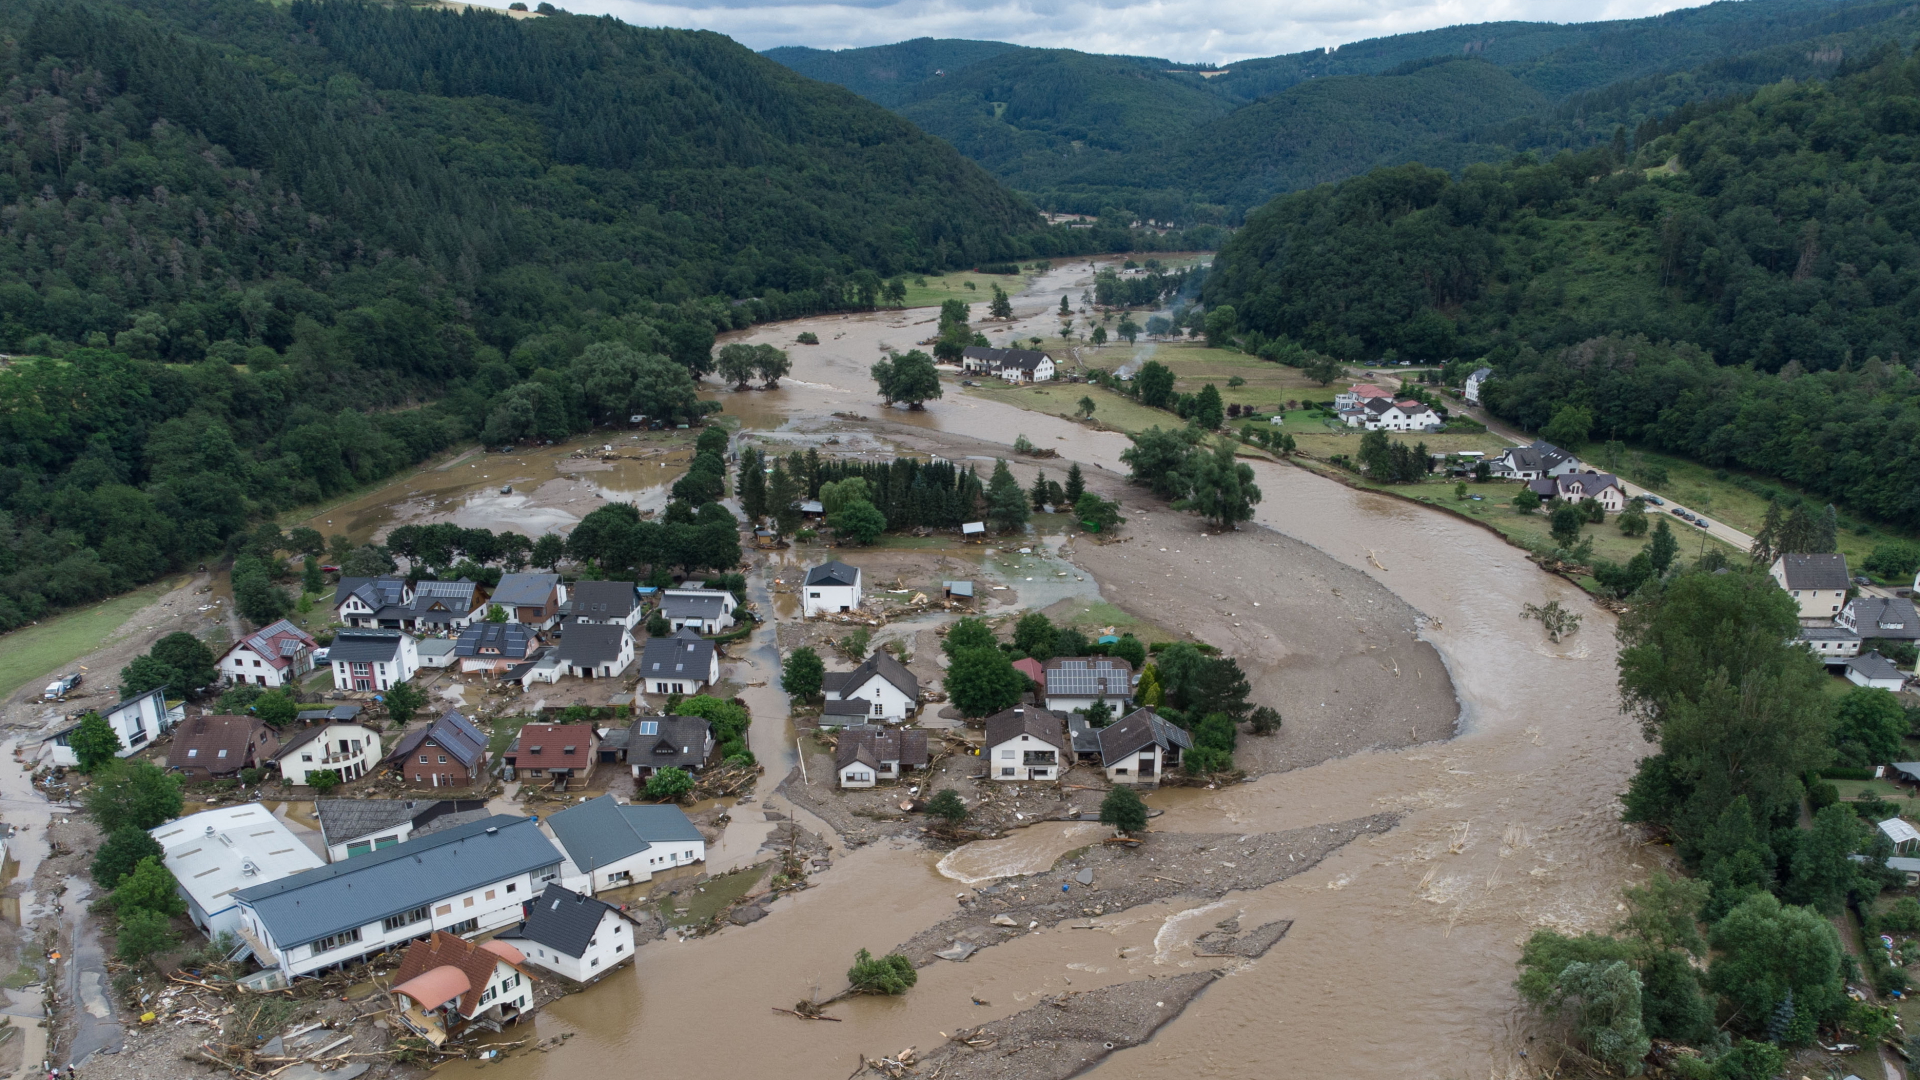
<point>1042,724</point>
<point>220,743</point>
<point>446,950</point>
<point>909,748</point>
<point>544,746</point>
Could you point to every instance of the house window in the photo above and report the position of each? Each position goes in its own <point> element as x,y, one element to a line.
<point>306,757</point>
<point>443,909</point>
<point>362,668</point>
<point>404,919</point>
<point>1008,771</point>
<point>443,759</point>
<point>1006,755</point>
<point>335,941</point>
<point>423,759</point>
<point>879,709</point>
<point>467,926</point>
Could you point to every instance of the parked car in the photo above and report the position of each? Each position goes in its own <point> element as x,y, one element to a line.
<point>1700,522</point>
<point>1862,579</point>
<point>1655,500</point>
<point>320,655</point>
<point>62,686</point>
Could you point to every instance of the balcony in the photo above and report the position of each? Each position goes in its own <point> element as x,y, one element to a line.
<point>1039,757</point>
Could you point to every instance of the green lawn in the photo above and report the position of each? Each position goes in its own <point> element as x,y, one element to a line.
<point>1879,789</point>
<point>43,649</point>
<point>940,288</point>
<point>504,730</point>
<point>1063,399</point>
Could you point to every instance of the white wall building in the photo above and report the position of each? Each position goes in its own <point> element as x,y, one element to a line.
<point>137,721</point>
<point>371,661</point>
<point>215,853</point>
<point>830,587</point>
<point>350,750</point>
<point>890,691</point>
<point>573,935</point>
<point>465,880</point>
<point>1026,743</point>
<point>610,845</point>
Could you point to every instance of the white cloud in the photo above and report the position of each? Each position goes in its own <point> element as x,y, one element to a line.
<point>1186,30</point>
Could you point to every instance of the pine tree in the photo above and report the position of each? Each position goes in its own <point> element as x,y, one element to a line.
<point>1766,542</point>
<point>1830,530</point>
<point>1782,1020</point>
<point>1076,484</point>
<point>1000,307</point>
<point>783,500</point>
<point>1038,494</point>
<point>1006,503</point>
<point>753,485</point>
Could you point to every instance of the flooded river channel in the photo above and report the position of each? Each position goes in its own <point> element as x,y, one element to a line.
<point>1400,958</point>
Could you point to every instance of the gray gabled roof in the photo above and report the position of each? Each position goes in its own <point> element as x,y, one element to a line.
<point>833,573</point>
<point>592,643</point>
<point>677,605</point>
<point>1136,731</point>
<point>512,639</point>
<point>346,895</point>
<point>524,590</point>
<point>452,732</point>
<point>601,832</point>
<point>603,599</point>
<point>663,742</point>
<point>375,592</point>
<point>847,707</point>
<point>364,646</point>
<point>1043,724</point>
<point>883,664</point>
<point>685,653</point>
<point>1815,570</point>
<point>344,819</point>
<point>1882,617</point>
<point>1874,666</point>
<point>562,920</point>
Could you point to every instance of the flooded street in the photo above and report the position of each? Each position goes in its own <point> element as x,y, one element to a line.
<point>1400,958</point>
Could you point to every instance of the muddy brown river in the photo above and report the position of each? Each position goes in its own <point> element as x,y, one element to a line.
<point>1400,957</point>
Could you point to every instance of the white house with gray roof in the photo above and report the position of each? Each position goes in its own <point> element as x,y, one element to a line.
<point>830,587</point>
<point>465,881</point>
<point>351,828</point>
<point>216,853</point>
<point>573,935</point>
<point>611,845</point>
<point>680,664</point>
<point>668,742</point>
<point>890,691</point>
<point>595,650</point>
<point>1075,683</point>
<point>1817,581</point>
<point>604,602</point>
<point>371,661</point>
<point>1534,462</point>
<point>707,610</point>
<point>1880,617</point>
<point>1876,672</point>
<point>138,721</point>
<point>1140,747</point>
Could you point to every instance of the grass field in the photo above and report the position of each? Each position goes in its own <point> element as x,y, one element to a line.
<point>943,287</point>
<point>41,650</point>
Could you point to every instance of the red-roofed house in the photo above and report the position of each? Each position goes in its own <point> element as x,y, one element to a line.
<point>277,654</point>
<point>446,981</point>
<point>1032,669</point>
<point>558,751</point>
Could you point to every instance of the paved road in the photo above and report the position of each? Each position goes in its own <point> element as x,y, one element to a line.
<point>1719,530</point>
<point>95,1027</point>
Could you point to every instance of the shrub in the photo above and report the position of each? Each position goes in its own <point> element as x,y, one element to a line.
<point>669,784</point>
<point>142,934</point>
<point>854,644</point>
<point>1265,720</point>
<point>892,974</point>
<point>1123,810</point>
<point>1903,916</point>
<point>808,337</point>
<point>323,781</point>
<point>947,806</point>
<point>658,626</point>
<point>94,742</point>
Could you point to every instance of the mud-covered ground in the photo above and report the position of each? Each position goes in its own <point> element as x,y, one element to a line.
<point>1203,865</point>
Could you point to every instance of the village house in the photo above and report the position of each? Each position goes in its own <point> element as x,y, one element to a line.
<point>1818,582</point>
<point>358,601</point>
<point>214,853</point>
<point>1831,644</point>
<point>830,587</point>
<point>1075,683</point>
<point>450,752</point>
<point>136,720</point>
<point>533,599</point>
<point>1034,670</point>
<point>1140,747</point>
<point>209,746</point>
<point>867,755</point>
<point>1532,462</point>
<point>372,660</point>
<point>595,651</point>
<point>573,935</point>
<point>542,666</point>
<point>465,880</point>
<point>275,655</point>
<point>1026,743</point>
<point>611,845</point>
<point>668,742</point>
<point>1875,671</point>
<point>707,611</point>
<point>1471,391</point>
<point>553,752</point>
<point>436,652</point>
<point>1357,393</point>
<point>1578,487</point>
<point>353,827</point>
<point>1386,414</point>
<point>492,649</point>
<point>1880,617</point>
<point>350,750</point>
<point>1012,365</point>
<point>683,663</point>
<point>447,984</point>
<point>604,603</point>
<point>890,691</point>
<point>444,606</point>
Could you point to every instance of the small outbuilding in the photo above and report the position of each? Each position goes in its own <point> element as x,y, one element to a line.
<point>1875,671</point>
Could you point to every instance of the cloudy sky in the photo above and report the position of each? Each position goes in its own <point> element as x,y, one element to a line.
<point>1187,30</point>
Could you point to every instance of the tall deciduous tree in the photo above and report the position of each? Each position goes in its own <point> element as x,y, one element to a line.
<point>981,682</point>
<point>1219,486</point>
<point>802,673</point>
<point>132,792</point>
<point>93,742</point>
<point>908,377</point>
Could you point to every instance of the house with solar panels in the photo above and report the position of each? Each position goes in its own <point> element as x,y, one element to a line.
<point>275,655</point>
<point>1074,683</point>
<point>668,742</point>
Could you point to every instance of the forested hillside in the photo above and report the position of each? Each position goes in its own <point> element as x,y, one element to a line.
<point>885,74</point>
<point>1155,139</point>
<point>275,252</point>
<point>1739,283</point>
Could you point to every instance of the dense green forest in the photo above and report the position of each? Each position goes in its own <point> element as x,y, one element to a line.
<point>1147,138</point>
<point>1742,286</point>
<point>266,254</point>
